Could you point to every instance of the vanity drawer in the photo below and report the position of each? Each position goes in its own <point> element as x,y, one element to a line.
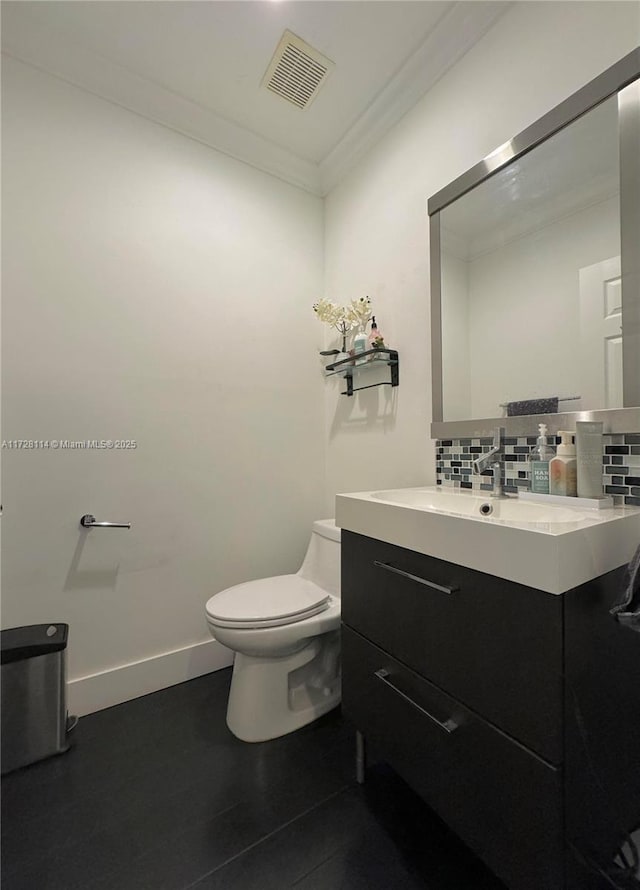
<point>503,801</point>
<point>492,644</point>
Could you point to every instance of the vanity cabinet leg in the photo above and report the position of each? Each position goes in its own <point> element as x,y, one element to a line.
<point>361,758</point>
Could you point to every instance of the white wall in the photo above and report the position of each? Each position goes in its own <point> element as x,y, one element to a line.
<point>159,291</point>
<point>376,231</point>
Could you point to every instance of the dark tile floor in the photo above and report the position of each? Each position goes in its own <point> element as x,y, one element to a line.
<point>156,793</point>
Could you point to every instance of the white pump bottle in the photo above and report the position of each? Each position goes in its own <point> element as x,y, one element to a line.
<point>563,468</point>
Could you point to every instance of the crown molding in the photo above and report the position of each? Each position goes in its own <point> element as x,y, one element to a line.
<point>453,36</point>
<point>97,75</point>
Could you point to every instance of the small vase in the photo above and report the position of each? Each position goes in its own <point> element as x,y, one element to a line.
<point>342,371</point>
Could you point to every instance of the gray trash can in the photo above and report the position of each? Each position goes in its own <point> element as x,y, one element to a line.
<point>34,694</point>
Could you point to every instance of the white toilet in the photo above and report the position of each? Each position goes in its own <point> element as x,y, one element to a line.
<point>285,632</point>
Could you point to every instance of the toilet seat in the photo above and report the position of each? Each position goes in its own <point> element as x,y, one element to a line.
<point>268,602</point>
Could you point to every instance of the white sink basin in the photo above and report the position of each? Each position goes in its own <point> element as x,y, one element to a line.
<point>548,546</point>
<point>482,506</point>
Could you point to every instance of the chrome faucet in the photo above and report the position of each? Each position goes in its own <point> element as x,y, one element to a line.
<point>492,460</point>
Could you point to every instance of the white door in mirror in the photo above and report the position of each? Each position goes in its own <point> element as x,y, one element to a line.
<point>601,335</point>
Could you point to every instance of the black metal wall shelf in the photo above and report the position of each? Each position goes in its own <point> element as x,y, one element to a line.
<point>379,357</point>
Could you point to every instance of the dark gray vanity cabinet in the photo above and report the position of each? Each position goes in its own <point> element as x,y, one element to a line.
<point>467,685</point>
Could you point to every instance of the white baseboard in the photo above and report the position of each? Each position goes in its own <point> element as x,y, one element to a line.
<point>97,691</point>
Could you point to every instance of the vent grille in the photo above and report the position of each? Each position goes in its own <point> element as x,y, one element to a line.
<point>296,71</point>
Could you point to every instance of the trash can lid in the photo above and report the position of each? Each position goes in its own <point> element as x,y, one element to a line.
<point>17,643</point>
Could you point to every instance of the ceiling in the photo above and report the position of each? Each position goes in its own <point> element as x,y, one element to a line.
<point>198,66</point>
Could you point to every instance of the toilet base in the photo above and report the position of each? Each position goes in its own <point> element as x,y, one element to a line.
<point>273,696</point>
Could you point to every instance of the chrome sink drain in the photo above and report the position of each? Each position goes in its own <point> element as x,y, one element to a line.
<point>486,509</point>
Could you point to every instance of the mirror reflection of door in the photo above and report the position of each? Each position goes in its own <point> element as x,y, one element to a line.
<point>601,334</point>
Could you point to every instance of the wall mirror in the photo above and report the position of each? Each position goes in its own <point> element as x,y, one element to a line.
<point>535,271</point>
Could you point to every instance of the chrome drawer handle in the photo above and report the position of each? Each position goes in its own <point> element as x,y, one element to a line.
<point>448,726</point>
<point>441,587</point>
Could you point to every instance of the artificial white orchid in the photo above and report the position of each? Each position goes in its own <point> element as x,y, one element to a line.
<point>333,315</point>
<point>359,312</point>
<point>344,318</point>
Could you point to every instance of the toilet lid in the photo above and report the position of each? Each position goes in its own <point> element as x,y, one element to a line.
<point>267,602</point>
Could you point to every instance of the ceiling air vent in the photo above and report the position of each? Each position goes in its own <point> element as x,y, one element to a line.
<point>296,71</point>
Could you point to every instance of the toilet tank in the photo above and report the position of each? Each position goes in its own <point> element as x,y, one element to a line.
<point>322,561</point>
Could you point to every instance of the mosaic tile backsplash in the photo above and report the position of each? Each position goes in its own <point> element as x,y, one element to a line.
<point>620,464</point>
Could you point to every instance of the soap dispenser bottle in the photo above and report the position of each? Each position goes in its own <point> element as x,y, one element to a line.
<point>539,462</point>
<point>563,467</point>
<point>373,333</point>
<point>360,345</point>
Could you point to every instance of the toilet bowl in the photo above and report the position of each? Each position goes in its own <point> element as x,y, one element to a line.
<point>285,632</point>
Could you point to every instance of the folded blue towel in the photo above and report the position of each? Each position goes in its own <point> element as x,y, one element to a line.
<point>627,611</point>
